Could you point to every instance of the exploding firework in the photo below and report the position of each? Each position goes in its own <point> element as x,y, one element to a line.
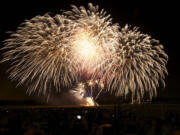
<point>137,67</point>
<point>84,46</point>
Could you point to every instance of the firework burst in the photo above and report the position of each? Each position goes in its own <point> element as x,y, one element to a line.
<point>138,66</point>
<point>84,45</point>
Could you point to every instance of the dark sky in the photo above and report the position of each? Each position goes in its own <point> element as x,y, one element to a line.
<point>156,19</point>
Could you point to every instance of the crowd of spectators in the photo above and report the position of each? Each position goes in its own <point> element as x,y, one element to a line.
<point>85,121</point>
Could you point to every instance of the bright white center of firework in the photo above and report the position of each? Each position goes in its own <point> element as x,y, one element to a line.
<point>84,47</point>
<point>85,51</point>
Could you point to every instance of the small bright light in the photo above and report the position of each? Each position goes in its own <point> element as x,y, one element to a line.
<point>102,85</point>
<point>90,83</point>
<point>79,117</point>
<point>81,85</point>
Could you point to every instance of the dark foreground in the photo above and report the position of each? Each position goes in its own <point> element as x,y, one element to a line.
<point>150,119</point>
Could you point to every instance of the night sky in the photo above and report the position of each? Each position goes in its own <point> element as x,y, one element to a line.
<point>160,20</point>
